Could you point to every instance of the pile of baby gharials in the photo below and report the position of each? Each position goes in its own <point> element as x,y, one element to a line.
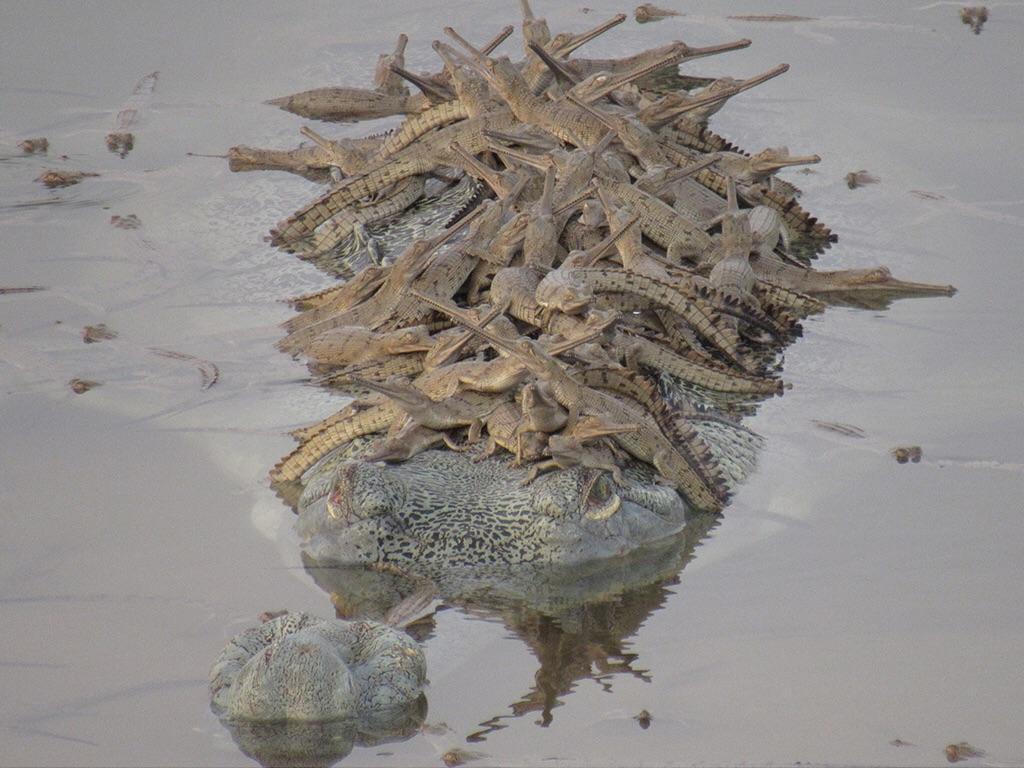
<point>611,286</point>
<point>621,240</point>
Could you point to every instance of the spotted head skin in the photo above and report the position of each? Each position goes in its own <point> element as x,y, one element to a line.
<point>300,667</point>
<point>354,513</point>
<point>443,508</point>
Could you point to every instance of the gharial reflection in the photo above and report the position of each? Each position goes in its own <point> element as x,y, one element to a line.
<point>297,743</point>
<point>577,622</point>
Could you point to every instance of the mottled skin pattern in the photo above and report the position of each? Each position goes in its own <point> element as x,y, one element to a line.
<point>301,667</point>
<point>577,620</point>
<point>444,508</point>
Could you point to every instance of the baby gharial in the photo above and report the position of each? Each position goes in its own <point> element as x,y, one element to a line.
<point>304,668</point>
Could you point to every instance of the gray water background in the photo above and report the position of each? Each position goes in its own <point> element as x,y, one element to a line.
<point>845,601</point>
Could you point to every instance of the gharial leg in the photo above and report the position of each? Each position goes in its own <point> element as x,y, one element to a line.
<point>537,468</point>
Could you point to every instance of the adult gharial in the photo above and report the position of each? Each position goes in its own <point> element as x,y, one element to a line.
<point>564,291</point>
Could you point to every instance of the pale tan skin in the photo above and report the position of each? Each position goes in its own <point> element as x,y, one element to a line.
<point>388,304</point>
<point>733,274</point>
<point>516,256</point>
<point>647,444</point>
<point>329,435</point>
<point>355,344</point>
<point>503,431</point>
<point>465,409</point>
<point>650,12</point>
<point>541,413</point>
<point>517,287</point>
<point>699,108</point>
<point>407,441</point>
<point>571,449</point>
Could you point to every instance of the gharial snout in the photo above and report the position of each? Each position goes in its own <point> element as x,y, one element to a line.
<point>299,677</point>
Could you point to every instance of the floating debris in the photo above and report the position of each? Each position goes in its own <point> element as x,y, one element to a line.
<point>974,16</point>
<point>34,146</point>
<point>900,743</point>
<point>208,371</point>
<point>95,333</point>
<point>131,221</point>
<point>22,289</point>
<point>906,453</point>
<point>644,719</point>
<point>435,729</point>
<point>859,178</point>
<point>924,195</point>
<point>80,386</point>
<point>459,756</point>
<point>962,751</point>
<point>847,430</point>
<point>54,178</point>
<point>648,12</point>
<point>120,143</point>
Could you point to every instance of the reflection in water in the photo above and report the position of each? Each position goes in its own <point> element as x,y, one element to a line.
<point>576,621</point>
<point>297,743</point>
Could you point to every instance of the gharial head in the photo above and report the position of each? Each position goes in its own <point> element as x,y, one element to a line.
<point>560,41</point>
<point>534,30</point>
<point>415,339</point>
<point>470,87</point>
<point>560,290</point>
<point>300,677</point>
<point>341,345</point>
<point>502,74</point>
<point>588,88</point>
<point>357,516</point>
<point>535,358</point>
<point>383,78</point>
<point>772,159</point>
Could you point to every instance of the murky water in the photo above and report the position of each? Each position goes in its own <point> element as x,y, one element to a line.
<point>845,601</point>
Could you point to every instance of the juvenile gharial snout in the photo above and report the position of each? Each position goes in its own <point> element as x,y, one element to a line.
<point>776,158</point>
<point>559,291</point>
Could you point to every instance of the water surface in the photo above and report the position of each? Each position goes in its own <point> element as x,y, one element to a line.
<point>844,601</point>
